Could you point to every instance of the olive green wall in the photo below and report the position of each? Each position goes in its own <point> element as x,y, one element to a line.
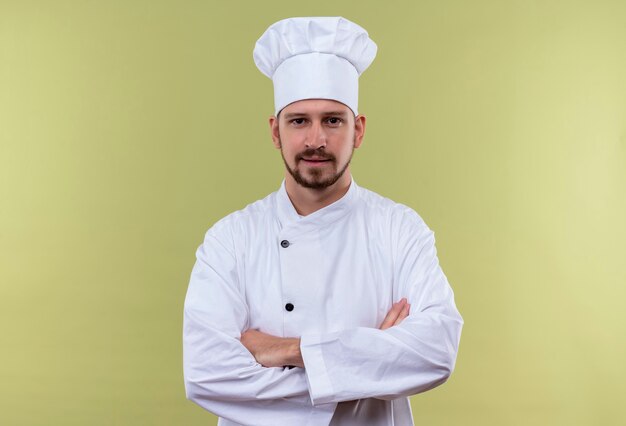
<point>128,127</point>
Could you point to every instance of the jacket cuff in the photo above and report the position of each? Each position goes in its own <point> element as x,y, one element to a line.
<point>319,383</point>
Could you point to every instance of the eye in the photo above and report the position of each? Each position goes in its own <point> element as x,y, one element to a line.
<point>334,121</point>
<point>297,121</point>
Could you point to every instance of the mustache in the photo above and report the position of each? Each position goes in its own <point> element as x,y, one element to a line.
<point>317,153</point>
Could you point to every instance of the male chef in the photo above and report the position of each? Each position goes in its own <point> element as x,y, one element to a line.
<point>323,303</point>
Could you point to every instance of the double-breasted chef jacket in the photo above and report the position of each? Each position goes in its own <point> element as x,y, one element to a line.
<point>330,278</point>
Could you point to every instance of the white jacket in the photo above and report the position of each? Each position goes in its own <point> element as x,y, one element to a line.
<point>340,268</point>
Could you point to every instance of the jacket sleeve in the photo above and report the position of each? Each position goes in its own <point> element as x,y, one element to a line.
<point>220,374</point>
<point>412,357</point>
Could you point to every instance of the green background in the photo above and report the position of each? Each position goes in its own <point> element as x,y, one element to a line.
<point>127,128</point>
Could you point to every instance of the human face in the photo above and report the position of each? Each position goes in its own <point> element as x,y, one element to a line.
<point>316,138</point>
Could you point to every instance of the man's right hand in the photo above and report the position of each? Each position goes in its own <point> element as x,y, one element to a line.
<point>398,312</point>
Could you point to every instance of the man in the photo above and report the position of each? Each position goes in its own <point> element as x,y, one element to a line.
<point>290,316</point>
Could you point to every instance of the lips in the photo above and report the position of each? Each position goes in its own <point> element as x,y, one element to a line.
<point>316,160</point>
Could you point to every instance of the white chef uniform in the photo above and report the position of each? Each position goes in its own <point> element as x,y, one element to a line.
<point>330,278</point>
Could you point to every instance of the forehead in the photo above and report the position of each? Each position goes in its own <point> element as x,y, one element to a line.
<point>315,107</point>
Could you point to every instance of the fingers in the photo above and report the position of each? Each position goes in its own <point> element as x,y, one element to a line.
<point>403,314</point>
<point>247,338</point>
<point>252,340</point>
<point>392,315</point>
<point>398,312</point>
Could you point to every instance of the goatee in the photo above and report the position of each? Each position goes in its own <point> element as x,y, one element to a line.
<point>316,179</point>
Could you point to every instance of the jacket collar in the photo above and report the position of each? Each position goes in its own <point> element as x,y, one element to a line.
<point>288,216</point>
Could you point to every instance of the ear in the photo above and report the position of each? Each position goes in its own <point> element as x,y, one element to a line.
<point>359,130</point>
<point>275,131</point>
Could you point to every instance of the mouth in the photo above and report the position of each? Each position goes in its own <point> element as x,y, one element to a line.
<point>315,161</point>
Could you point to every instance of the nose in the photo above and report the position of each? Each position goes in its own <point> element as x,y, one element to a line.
<point>316,137</point>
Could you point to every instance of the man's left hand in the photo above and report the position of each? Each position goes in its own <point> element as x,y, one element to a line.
<point>272,351</point>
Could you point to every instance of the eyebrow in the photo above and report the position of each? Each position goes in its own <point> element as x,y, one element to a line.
<point>325,113</point>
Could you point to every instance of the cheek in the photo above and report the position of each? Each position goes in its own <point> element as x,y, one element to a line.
<point>347,145</point>
<point>288,150</point>
<point>291,143</point>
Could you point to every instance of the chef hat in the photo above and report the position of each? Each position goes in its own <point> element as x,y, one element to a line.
<point>319,57</point>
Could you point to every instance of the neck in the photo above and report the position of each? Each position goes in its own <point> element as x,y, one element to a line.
<point>309,200</point>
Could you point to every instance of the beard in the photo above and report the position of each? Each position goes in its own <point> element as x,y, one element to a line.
<point>317,178</point>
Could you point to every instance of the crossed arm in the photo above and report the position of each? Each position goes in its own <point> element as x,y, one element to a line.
<point>273,351</point>
<point>225,370</point>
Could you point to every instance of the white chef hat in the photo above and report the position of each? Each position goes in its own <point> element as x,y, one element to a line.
<point>314,58</point>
